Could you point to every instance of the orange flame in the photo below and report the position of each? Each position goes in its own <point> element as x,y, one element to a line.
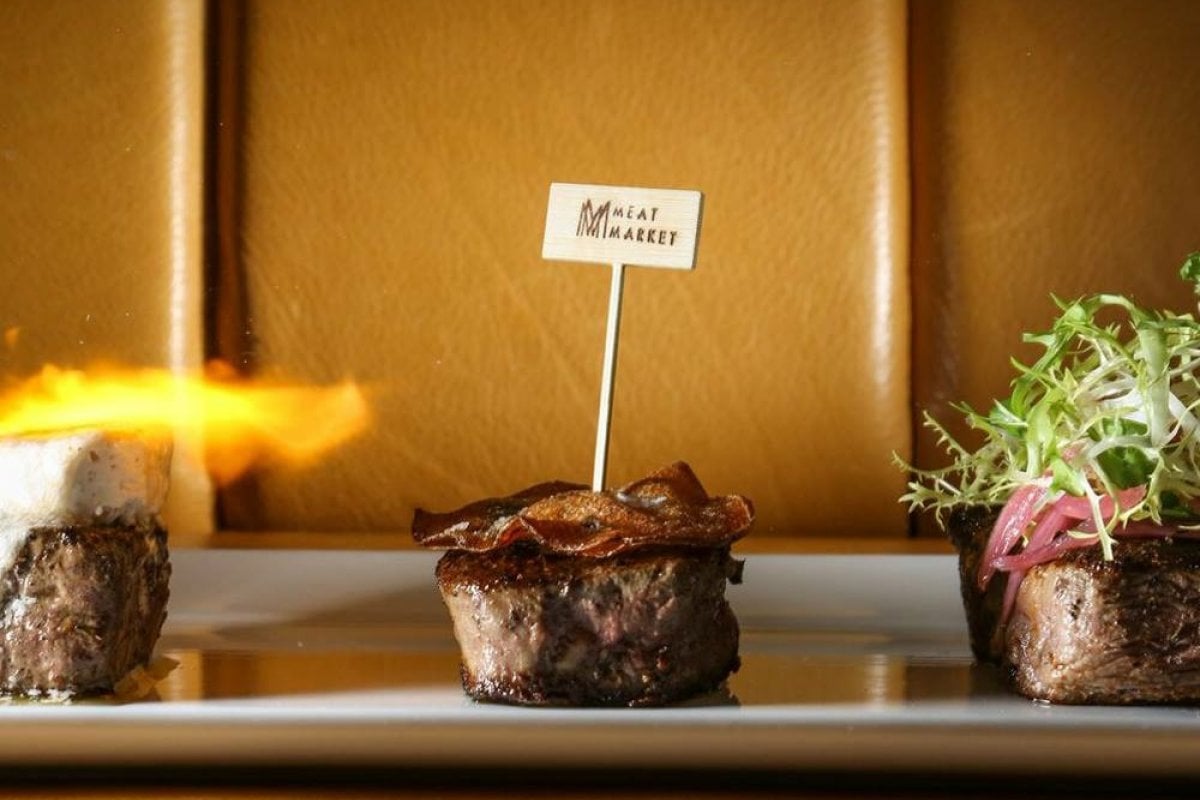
<point>240,422</point>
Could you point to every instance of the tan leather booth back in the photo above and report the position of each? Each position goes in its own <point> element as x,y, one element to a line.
<point>371,181</point>
<point>101,142</point>
<point>393,166</point>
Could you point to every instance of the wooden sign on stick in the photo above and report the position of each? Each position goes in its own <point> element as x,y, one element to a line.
<point>621,226</point>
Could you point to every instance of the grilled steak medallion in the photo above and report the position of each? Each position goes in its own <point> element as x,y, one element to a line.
<point>81,608</point>
<point>642,628</point>
<point>1086,630</point>
<point>1075,512</point>
<point>563,596</point>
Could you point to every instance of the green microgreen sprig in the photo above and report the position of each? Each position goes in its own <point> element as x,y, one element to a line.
<point>1105,407</point>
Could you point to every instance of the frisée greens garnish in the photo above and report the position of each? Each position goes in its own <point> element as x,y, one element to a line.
<point>1099,437</point>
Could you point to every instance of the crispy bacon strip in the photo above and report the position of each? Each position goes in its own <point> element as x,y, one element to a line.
<point>666,508</point>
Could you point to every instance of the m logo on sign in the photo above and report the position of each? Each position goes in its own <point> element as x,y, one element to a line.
<point>593,223</point>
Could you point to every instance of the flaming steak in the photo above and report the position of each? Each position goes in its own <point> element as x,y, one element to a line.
<point>83,560</point>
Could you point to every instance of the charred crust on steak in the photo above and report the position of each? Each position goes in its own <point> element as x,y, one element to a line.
<point>968,531</point>
<point>564,596</point>
<point>81,607</point>
<point>527,565</point>
<point>1086,630</point>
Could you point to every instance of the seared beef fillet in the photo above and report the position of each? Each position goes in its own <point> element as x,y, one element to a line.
<point>644,628</point>
<point>81,607</point>
<point>1086,630</point>
<point>563,596</point>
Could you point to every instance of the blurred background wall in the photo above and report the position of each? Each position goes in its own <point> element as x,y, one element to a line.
<point>357,189</point>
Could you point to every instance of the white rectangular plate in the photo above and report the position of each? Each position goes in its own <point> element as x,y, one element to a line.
<point>346,658</point>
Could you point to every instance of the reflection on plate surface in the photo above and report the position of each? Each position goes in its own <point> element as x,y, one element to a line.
<point>773,673</point>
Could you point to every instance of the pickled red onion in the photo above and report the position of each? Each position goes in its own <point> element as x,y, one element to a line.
<point>1053,525</point>
<point>1014,518</point>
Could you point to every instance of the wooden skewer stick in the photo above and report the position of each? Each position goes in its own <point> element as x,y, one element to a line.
<point>600,466</point>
